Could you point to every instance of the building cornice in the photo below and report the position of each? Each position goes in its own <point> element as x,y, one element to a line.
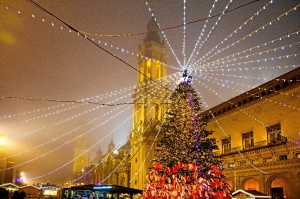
<point>269,89</point>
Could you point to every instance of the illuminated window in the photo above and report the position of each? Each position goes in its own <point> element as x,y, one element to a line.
<point>248,140</point>
<point>148,68</point>
<point>231,165</point>
<point>274,133</point>
<point>297,155</point>
<point>268,160</point>
<point>141,77</point>
<point>158,69</point>
<point>255,161</point>
<point>157,112</point>
<point>226,145</point>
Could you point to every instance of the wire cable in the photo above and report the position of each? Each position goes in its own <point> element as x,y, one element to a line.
<point>168,28</point>
<point>90,40</point>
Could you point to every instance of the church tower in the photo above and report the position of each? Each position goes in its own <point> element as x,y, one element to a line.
<point>82,157</point>
<point>148,108</point>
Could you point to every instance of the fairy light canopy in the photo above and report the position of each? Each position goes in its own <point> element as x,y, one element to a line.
<point>226,50</point>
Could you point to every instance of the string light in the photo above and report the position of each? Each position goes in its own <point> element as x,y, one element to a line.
<point>213,28</point>
<point>55,149</point>
<point>253,54</point>
<point>247,36</point>
<point>216,65</point>
<point>143,162</point>
<point>254,95</point>
<point>184,27</point>
<point>65,134</point>
<point>81,102</point>
<point>94,98</point>
<point>100,162</point>
<point>165,37</point>
<point>212,66</point>
<point>201,34</point>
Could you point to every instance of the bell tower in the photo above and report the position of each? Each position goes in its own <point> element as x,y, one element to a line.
<point>148,103</point>
<point>81,157</point>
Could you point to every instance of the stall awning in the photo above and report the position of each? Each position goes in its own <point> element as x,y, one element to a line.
<point>253,194</point>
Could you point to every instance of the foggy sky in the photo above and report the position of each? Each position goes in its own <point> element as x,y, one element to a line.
<point>40,58</point>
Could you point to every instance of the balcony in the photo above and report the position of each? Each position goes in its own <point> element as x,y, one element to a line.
<point>257,145</point>
<point>277,141</point>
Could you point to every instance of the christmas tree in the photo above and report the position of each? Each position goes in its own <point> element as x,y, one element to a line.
<point>185,166</point>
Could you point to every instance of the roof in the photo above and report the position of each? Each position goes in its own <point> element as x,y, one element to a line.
<point>110,188</point>
<point>16,186</point>
<point>250,193</point>
<point>152,34</point>
<point>283,83</point>
<point>9,185</point>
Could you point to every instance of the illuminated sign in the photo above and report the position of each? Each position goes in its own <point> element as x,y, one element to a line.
<point>103,187</point>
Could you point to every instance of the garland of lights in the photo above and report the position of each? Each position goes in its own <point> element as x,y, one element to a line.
<point>213,28</point>
<point>141,135</point>
<point>202,32</point>
<point>67,120</point>
<point>33,16</point>
<point>96,98</point>
<point>257,47</point>
<point>184,28</point>
<point>122,49</point>
<point>234,32</point>
<point>164,35</point>
<point>251,55</point>
<point>284,105</point>
<point>254,61</point>
<point>74,140</point>
<point>250,34</point>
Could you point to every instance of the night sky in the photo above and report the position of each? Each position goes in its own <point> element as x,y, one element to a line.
<point>44,60</point>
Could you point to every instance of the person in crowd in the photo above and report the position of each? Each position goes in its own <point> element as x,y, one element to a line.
<point>22,195</point>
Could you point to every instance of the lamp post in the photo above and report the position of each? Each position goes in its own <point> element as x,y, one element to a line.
<point>1,141</point>
<point>2,163</point>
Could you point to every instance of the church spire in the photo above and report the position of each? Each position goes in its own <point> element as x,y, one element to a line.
<point>111,146</point>
<point>152,29</point>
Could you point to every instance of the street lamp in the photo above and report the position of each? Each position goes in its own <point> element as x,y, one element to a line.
<point>2,140</point>
<point>23,178</point>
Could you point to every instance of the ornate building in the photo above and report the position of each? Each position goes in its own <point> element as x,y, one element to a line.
<point>258,136</point>
<point>149,105</point>
<point>111,168</point>
<point>117,167</point>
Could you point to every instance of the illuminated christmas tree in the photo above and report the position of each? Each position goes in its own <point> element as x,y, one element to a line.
<point>185,166</point>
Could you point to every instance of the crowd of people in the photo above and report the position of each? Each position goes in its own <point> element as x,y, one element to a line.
<point>6,194</point>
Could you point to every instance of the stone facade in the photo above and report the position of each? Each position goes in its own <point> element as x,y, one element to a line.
<point>149,104</point>
<point>258,137</point>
